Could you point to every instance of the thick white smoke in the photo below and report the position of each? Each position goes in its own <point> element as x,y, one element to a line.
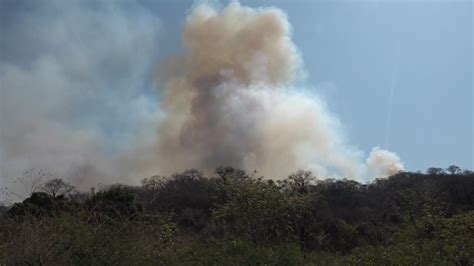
<point>382,163</point>
<point>75,98</point>
<point>229,100</point>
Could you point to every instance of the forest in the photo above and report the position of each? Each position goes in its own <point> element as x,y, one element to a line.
<point>236,218</point>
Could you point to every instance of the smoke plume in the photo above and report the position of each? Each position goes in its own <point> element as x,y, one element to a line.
<point>74,99</point>
<point>229,99</point>
<point>77,98</point>
<point>383,163</point>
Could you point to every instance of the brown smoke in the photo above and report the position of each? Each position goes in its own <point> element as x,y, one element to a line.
<point>229,101</point>
<point>67,107</point>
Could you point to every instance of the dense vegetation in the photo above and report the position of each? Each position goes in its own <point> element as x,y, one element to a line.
<point>234,218</point>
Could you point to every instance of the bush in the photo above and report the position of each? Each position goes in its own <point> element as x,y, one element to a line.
<point>40,204</point>
<point>115,202</point>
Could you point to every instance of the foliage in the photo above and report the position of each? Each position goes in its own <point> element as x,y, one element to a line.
<point>116,202</point>
<point>41,204</point>
<point>260,211</point>
<point>235,218</point>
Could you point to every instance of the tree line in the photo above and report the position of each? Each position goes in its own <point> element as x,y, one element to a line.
<point>235,218</point>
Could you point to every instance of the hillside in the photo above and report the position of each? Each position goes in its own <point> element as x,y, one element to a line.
<point>234,218</point>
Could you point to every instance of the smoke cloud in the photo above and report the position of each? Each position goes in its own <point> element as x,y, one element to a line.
<point>229,99</point>
<point>76,96</point>
<point>383,163</point>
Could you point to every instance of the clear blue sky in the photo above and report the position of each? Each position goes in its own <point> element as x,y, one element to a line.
<point>397,73</point>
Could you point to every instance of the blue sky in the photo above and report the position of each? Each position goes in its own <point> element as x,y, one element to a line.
<point>397,73</point>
